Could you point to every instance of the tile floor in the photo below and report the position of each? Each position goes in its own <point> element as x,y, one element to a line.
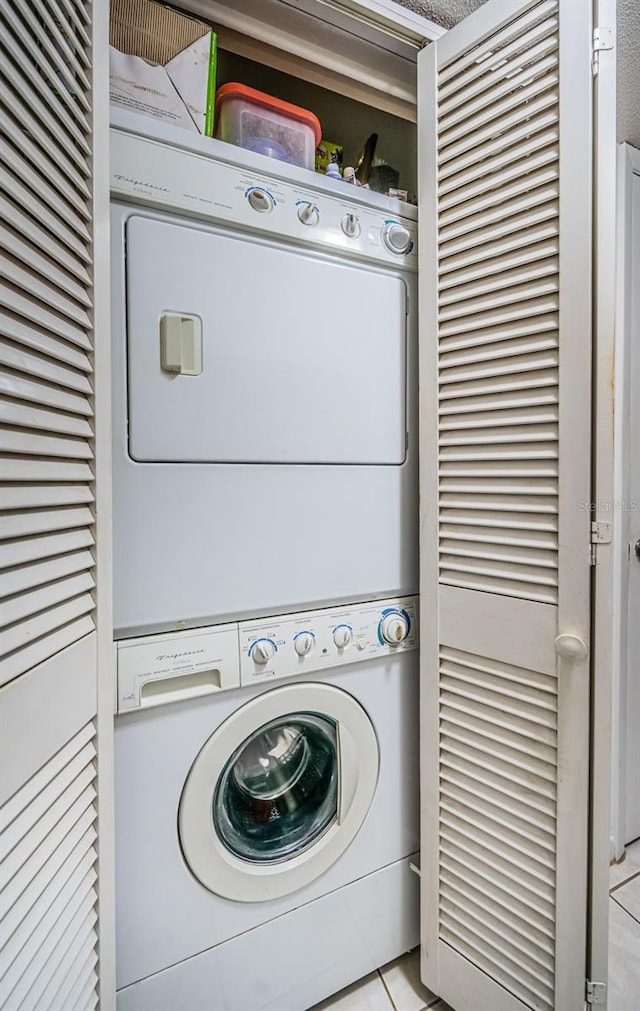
<point>397,986</point>
<point>624,932</point>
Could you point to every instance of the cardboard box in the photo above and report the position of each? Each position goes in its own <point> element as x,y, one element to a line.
<point>162,64</point>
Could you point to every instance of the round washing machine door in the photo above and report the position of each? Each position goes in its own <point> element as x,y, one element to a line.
<point>278,792</point>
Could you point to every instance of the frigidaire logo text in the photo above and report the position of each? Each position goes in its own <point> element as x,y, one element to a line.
<point>178,656</point>
<point>139,182</point>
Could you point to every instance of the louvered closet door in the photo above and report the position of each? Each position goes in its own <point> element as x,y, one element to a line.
<point>505,254</point>
<point>48,667</point>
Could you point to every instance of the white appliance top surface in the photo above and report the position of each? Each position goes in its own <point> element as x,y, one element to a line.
<point>209,180</point>
<point>132,123</point>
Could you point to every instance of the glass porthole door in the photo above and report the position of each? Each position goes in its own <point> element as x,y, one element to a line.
<point>278,792</point>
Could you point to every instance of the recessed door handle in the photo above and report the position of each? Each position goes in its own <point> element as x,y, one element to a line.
<point>637,550</point>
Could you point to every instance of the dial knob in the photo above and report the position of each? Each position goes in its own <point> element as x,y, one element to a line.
<point>308,214</point>
<point>397,238</point>
<point>342,636</point>
<point>262,651</point>
<point>303,643</point>
<point>351,225</point>
<point>394,628</point>
<point>260,200</point>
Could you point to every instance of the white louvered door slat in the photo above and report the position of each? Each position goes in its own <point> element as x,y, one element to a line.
<point>37,365</point>
<point>32,336</point>
<point>51,806</point>
<point>14,385</point>
<point>21,21</point>
<point>73,194</point>
<point>26,200</point>
<point>67,759</point>
<point>50,254</point>
<point>42,240</point>
<point>34,495</point>
<point>505,464</point>
<point>43,520</point>
<point>47,835</point>
<point>38,600</point>
<point>14,555</point>
<point>32,279</point>
<point>472,61</point>
<point>75,212</point>
<point>28,416</point>
<point>79,917</point>
<point>80,970</point>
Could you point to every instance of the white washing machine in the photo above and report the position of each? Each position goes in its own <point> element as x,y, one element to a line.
<point>264,386</point>
<point>266,808</point>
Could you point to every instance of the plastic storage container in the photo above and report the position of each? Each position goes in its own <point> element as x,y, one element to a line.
<point>256,121</point>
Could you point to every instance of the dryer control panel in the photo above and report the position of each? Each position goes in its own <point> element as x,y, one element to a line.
<point>158,669</point>
<point>305,208</point>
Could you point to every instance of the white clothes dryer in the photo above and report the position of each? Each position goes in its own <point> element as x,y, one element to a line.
<point>264,386</point>
<point>265,828</point>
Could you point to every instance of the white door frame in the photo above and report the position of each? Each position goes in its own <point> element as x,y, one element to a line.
<point>628,166</point>
<point>603,632</point>
<point>106,655</point>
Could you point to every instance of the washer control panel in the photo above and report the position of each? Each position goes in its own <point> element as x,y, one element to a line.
<point>155,670</point>
<point>318,640</point>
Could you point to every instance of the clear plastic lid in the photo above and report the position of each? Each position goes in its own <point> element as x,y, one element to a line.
<point>233,90</point>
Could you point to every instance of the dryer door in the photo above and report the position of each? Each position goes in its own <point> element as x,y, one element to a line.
<point>278,792</point>
<point>297,358</point>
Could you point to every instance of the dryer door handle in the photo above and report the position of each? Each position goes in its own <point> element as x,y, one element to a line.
<point>348,771</point>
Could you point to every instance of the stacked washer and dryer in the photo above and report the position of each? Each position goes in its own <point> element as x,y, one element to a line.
<point>265,571</point>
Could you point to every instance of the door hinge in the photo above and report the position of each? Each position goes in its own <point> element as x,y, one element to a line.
<point>596,992</point>
<point>602,40</point>
<point>600,534</point>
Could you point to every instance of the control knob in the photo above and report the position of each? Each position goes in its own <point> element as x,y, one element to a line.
<point>303,643</point>
<point>262,651</point>
<point>342,636</point>
<point>260,200</point>
<point>351,225</point>
<point>394,628</point>
<point>397,238</point>
<point>308,214</point>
